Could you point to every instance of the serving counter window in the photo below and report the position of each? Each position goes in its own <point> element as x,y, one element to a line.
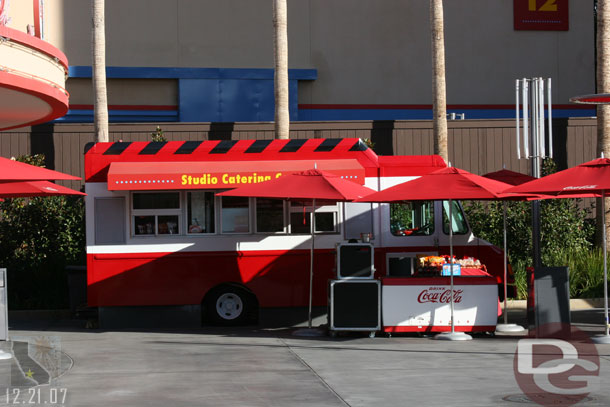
<point>415,218</point>
<point>270,216</point>
<point>156,213</point>
<point>200,212</point>
<point>300,217</point>
<point>235,214</point>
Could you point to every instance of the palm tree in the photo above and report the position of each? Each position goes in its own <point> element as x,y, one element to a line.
<point>439,104</point>
<point>280,42</point>
<point>603,86</point>
<point>98,47</point>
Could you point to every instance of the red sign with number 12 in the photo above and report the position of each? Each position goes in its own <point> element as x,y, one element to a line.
<point>544,15</point>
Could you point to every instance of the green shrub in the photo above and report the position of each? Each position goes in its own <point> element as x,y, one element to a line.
<point>566,236</point>
<point>38,238</point>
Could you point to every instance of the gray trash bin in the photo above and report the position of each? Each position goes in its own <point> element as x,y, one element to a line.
<point>548,302</point>
<point>3,307</point>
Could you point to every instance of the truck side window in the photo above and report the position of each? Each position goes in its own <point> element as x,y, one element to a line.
<point>200,212</point>
<point>156,213</point>
<point>413,218</point>
<point>235,216</point>
<point>300,216</point>
<point>270,215</point>
<point>460,227</point>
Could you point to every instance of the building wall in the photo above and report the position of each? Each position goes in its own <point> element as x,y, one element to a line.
<point>371,58</point>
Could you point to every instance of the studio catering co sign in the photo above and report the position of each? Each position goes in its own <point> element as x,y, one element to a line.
<point>217,175</point>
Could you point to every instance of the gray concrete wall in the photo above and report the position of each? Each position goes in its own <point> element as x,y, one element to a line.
<point>365,51</point>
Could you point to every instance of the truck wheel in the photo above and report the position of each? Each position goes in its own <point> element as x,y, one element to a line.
<point>228,305</point>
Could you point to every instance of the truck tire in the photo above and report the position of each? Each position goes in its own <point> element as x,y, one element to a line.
<point>228,305</point>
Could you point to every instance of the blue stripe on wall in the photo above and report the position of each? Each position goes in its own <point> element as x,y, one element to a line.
<point>125,72</point>
<point>121,116</point>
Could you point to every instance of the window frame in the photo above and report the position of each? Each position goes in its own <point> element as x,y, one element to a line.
<point>463,216</point>
<point>156,213</point>
<point>431,218</point>
<point>221,220</point>
<point>285,218</point>
<point>216,200</point>
<point>333,208</point>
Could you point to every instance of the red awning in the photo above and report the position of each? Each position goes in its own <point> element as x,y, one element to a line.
<point>218,174</point>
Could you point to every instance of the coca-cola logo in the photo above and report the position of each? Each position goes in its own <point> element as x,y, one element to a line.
<point>440,295</point>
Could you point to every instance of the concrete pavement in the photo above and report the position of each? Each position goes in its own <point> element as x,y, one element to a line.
<point>263,366</point>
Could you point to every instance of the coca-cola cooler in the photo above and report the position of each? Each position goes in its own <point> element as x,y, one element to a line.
<point>355,305</point>
<point>423,304</point>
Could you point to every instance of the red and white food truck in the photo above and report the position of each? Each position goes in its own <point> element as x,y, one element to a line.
<point>158,237</point>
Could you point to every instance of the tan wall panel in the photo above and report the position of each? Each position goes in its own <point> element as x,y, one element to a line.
<point>127,91</point>
<point>365,51</point>
<point>21,13</point>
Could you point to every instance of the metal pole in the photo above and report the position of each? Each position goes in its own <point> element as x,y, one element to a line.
<point>313,231</point>
<point>605,265</point>
<point>536,174</point>
<point>550,118</point>
<point>517,90</point>
<point>525,118</point>
<point>451,261</point>
<point>541,117</point>
<point>505,263</point>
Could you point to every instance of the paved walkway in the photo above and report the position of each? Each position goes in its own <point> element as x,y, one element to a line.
<point>263,367</point>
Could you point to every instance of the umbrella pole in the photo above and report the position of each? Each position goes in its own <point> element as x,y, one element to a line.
<point>605,266</point>
<point>313,230</point>
<point>505,261</point>
<point>452,336</point>
<point>451,261</point>
<point>506,327</point>
<point>606,337</point>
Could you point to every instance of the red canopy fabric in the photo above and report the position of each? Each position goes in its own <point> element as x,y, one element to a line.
<point>596,99</point>
<point>11,170</point>
<point>34,188</point>
<point>509,177</point>
<point>592,178</point>
<point>310,184</point>
<point>447,183</point>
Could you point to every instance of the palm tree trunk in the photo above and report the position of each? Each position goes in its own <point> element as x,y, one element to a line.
<point>280,42</point>
<point>98,47</point>
<point>603,86</point>
<point>439,104</point>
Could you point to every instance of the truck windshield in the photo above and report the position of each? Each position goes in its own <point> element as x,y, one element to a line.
<point>460,227</point>
<point>413,218</point>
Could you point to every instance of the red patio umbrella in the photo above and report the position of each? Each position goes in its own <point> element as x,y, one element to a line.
<point>13,178</point>
<point>592,177</point>
<point>311,184</point>
<point>34,188</point>
<point>595,99</point>
<point>445,184</point>
<point>11,170</point>
<point>509,177</point>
